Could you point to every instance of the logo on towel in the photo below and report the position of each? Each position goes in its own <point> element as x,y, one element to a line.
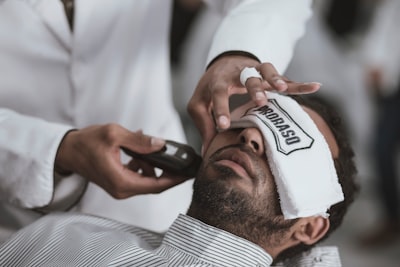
<point>289,136</point>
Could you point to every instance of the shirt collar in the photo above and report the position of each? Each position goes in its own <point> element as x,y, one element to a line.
<point>214,245</point>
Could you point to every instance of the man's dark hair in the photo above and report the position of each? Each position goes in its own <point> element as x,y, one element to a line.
<point>344,164</point>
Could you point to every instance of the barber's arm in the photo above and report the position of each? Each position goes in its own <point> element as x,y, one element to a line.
<point>94,153</point>
<point>27,150</point>
<point>43,163</point>
<point>252,32</point>
<point>380,51</point>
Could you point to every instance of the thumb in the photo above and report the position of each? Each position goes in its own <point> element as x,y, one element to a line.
<point>141,143</point>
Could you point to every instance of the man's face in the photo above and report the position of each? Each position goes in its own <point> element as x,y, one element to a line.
<point>235,184</point>
<point>237,156</point>
<point>236,161</point>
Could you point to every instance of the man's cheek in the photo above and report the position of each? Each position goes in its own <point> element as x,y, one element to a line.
<point>214,145</point>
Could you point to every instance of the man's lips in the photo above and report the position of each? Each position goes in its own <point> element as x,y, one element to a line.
<point>237,160</point>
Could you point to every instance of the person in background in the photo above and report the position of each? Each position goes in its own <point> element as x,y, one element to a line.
<point>241,213</point>
<point>382,70</point>
<point>331,52</point>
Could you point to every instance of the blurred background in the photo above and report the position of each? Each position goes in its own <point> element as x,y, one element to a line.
<point>352,47</point>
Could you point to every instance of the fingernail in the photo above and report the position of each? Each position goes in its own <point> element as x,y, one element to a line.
<point>317,83</point>
<point>281,85</point>
<point>280,81</point>
<point>223,121</point>
<point>320,84</point>
<point>260,96</point>
<point>157,141</point>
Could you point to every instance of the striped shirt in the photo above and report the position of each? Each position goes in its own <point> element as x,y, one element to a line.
<point>83,240</point>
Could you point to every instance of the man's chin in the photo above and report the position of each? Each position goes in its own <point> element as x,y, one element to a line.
<point>219,194</point>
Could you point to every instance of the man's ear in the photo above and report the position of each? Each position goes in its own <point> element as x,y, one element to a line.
<point>311,229</point>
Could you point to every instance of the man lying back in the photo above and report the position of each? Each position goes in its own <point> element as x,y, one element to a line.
<point>269,189</point>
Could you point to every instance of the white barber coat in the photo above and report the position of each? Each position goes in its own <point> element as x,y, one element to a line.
<point>381,49</point>
<point>113,68</point>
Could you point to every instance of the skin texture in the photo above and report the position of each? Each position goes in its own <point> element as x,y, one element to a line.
<point>235,191</point>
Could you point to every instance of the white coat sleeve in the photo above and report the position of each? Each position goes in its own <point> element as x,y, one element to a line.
<point>380,48</point>
<point>267,29</point>
<point>380,34</point>
<point>28,148</point>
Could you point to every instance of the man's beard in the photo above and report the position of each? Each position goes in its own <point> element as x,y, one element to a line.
<point>218,203</point>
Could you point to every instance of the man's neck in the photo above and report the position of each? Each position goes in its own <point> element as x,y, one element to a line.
<point>247,233</point>
<point>216,241</point>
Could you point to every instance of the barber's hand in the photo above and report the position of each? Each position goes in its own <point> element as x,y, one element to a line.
<point>94,153</point>
<point>209,105</point>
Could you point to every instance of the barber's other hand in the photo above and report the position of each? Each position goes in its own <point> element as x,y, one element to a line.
<point>209,105</point>
<point>94,153</point>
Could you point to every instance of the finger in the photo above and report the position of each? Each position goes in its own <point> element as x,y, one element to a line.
<point>175,176</point>
<point>271,75</point>
<point>220,100</point>
<point>160,184</point>
<point>122,182</point>
<point>149,185</point>
<point>303,88</point>
<point>141,143</point>
<point>255,86</point>
<point>133,165</point>
<point>147,169</point>
<point>203,119</point>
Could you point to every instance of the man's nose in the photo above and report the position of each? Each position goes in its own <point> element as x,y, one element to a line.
<point>253,138</point>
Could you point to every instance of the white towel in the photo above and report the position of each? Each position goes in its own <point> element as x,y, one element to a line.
<point>299,156</point>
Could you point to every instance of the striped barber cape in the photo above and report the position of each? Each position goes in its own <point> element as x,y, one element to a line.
<point>70,239</point>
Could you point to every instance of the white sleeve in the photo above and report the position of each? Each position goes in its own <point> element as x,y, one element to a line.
<point>380,46</point>
<point>376,43</point>
<point>28,148</point>
<point>267,29</point>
